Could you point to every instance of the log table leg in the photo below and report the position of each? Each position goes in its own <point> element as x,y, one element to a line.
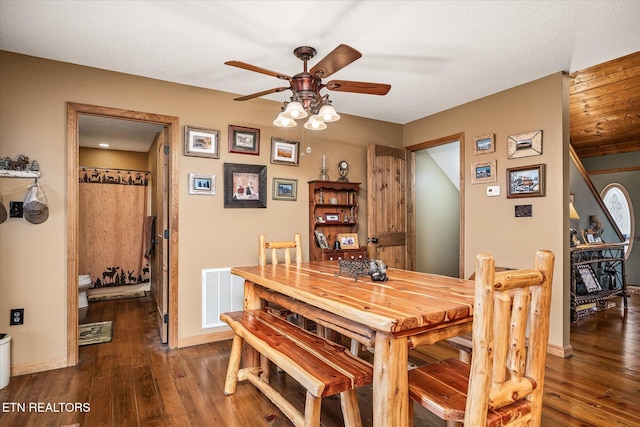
<point>390,381</point>
<point>252,301</point>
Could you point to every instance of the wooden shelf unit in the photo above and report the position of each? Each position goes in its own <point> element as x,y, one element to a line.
<point>346,195</point>
<point>594,258</point>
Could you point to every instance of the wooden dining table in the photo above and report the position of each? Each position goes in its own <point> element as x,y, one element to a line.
<point>408,310</point>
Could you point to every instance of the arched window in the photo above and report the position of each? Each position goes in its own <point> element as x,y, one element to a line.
<point>618,202</point>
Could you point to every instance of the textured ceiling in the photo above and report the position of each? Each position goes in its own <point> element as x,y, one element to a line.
<point>436,55</point>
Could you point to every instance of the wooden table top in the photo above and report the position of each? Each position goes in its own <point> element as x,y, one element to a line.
<point>409,302</point>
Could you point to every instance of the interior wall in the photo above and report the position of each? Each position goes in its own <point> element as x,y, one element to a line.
<point>437,219</point>
<point>100,158</point>
<point>629,179</point>
<point>489,222</point>
<point>210,235</point>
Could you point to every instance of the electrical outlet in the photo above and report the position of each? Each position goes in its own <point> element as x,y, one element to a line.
<point>17,316</point>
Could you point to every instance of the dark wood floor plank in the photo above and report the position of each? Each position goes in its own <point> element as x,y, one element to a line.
<point>135,380</point>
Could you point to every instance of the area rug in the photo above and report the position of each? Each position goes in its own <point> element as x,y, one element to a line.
<point>95,333</point>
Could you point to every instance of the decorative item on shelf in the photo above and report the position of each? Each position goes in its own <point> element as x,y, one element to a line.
<point>324,176</point>
<point>306,100</point>
<point>595,224</point>
<point>336,245</point>
<point>573,215</point>
<point>321,197</point>
<point>343,168</point>
<point>352,217</point>
<point>20,164</point>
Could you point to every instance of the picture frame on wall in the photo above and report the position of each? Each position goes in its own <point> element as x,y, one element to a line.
<point>285,189</point>
<point>244,140</point>
<point>524,144</point>
<point>483,172</point>
<point>526,181</point>
<point>202,184</point>
<point>484,144</point>
<point>201,142</point>
<point>245,186</point>
<point>285,152</point>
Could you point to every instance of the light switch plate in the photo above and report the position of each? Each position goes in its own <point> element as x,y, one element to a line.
<point>493,190</point>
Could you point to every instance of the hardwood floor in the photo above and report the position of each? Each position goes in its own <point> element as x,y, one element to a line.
<point>135,381</point>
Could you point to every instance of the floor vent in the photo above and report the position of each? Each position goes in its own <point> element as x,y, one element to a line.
<point>221,292</point>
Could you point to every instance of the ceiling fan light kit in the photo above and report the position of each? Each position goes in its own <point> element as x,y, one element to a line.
<point>307,100</point>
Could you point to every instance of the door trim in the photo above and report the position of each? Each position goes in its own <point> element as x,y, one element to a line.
<point>172,125</point>
<point>435,143</point>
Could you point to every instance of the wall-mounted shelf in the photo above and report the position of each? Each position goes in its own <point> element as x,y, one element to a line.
<point>19,174</point>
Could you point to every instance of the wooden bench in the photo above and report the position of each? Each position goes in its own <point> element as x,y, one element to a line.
<point>322,367</point>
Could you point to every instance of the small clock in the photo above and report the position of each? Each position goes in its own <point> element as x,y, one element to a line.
<point>343,168</point>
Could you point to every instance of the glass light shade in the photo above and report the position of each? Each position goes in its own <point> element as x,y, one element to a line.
<point>284,122</point>
<point>314,123</point>
<point>328,114</point>
<point>294,111</point>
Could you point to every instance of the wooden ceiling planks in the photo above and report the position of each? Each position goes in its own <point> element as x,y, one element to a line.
<point>604,107</point>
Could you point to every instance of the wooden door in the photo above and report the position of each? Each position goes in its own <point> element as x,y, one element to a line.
<point>161,257</point>
<point>390,206</point>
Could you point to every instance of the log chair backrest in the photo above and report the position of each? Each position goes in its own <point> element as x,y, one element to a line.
<point>263,246</point>
<point>505,367</point>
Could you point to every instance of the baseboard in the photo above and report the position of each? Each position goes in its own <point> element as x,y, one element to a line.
<point>40,366</point>
<point>205,339</point>
<point>554,350</point>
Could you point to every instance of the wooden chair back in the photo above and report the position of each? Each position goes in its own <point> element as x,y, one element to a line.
<point>264,247</point>
<point>505,367</point>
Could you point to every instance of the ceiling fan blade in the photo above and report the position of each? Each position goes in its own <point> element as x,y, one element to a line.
<point>250,67</point>
<point>358,87</point>
<point>339,58</point>
<point>263,93</point>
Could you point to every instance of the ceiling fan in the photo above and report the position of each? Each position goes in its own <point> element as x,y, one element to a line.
<point>306,87</point>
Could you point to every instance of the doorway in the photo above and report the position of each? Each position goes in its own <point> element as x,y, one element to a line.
<point>169,175</point>
<point>439,190</point>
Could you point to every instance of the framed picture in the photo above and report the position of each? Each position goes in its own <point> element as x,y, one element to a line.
<point>202,184</point>
<point>524,145</point>
<point>332,217</point>
<point>482,172</point>
<point>322,239</point>
<point>526,181</point>
<point>285,189</point>
<point>348,240</point>
<point>200,142</point>
<point>244,140</point>
<point>484,144</point>
<point>245,186</point>
<point>284,152</point>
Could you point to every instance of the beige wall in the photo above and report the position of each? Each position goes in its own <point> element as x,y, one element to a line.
<point>100,158</point>
<point>490,225</point>
<point>33,121</point>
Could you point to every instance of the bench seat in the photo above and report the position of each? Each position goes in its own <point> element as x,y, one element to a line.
<point>322,367</point>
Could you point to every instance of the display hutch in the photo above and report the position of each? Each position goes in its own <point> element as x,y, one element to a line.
<point>597,274</point>
<point>333,210</point>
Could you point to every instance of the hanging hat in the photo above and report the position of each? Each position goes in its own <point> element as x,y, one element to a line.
<point>34,207</point>
<point>3,211</point>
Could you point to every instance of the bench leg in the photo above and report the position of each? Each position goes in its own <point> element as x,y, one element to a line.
<point>231,380</point>
<point>350,408</point>
<point>312,411</point>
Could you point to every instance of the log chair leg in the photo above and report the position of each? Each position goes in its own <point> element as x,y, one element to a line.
<point>231,380</point>
<point>350,408</point>
<point>312,410</point>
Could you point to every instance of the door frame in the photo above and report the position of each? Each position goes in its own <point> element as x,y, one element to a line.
<point>435,143</point>
<point>172,125</point>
